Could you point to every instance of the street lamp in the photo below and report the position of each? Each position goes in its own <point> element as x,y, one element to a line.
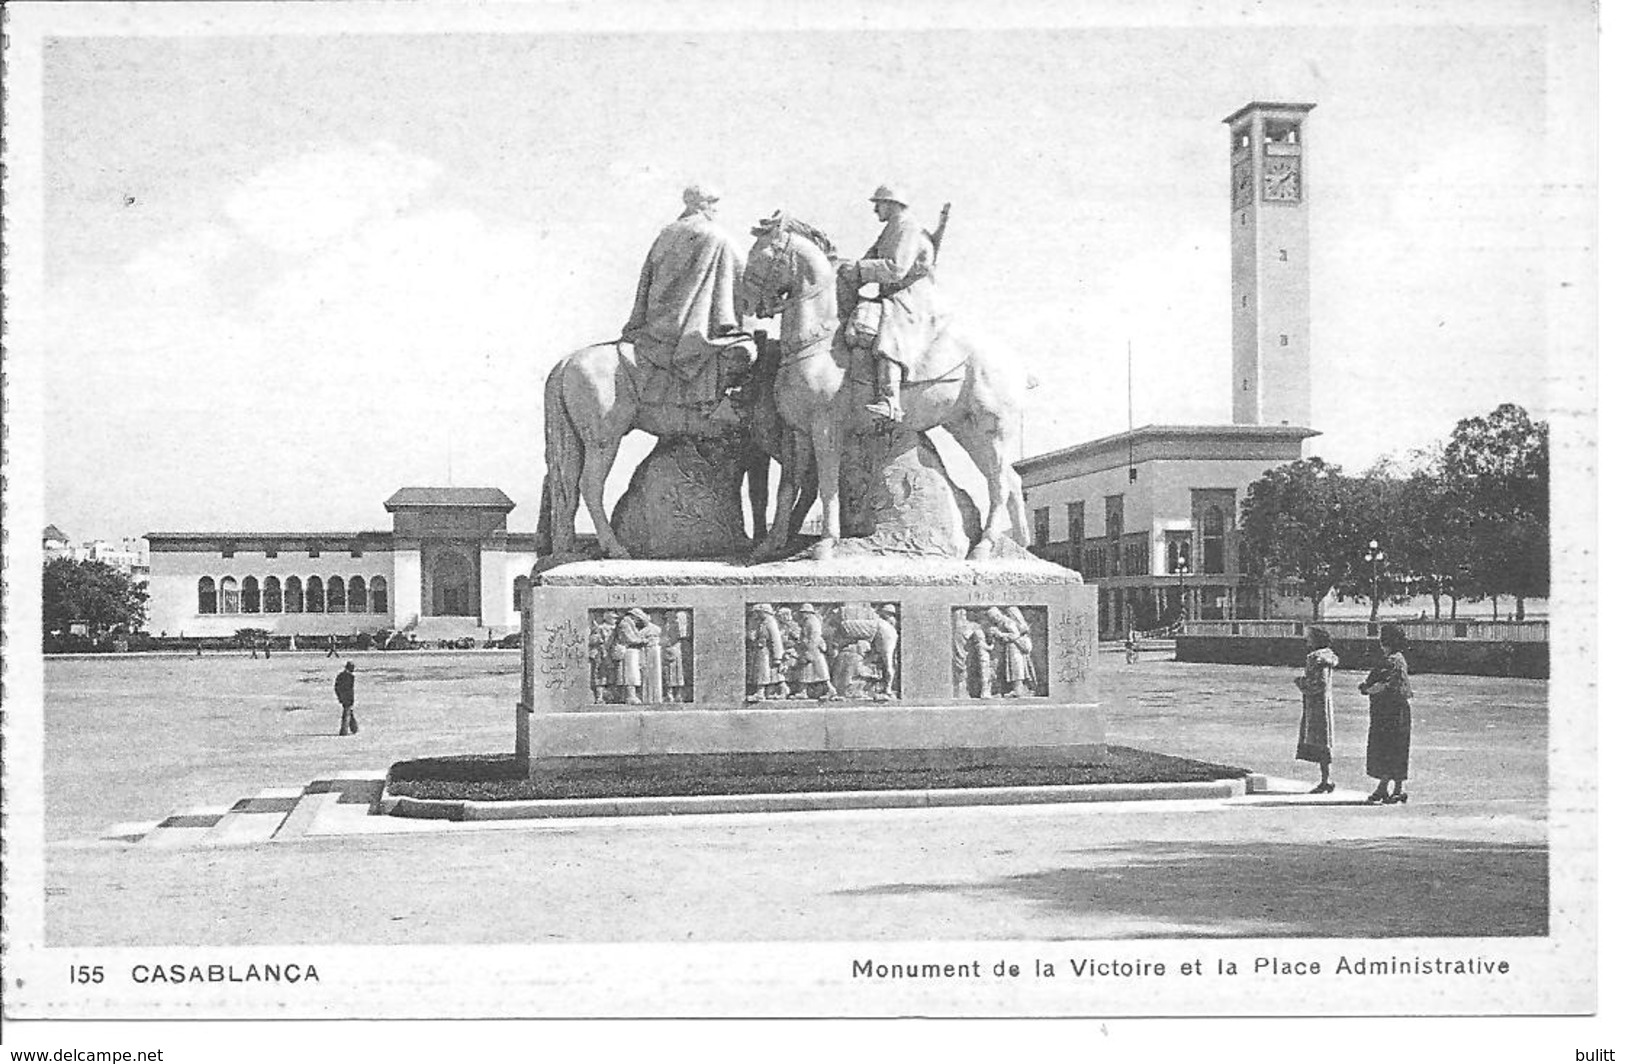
<point>1181,568</point>
<point>1374,556</point>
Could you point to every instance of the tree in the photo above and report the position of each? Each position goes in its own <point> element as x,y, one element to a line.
<point>1432,533</point>
<point>93,594</point>
<point>1375,503</point>
<point>1301,521</point>
<point>1498,465</point>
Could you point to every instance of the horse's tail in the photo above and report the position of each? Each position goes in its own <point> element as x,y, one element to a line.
<point>562,452</point>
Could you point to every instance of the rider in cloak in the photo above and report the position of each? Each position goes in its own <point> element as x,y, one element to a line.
<point>684,326</point>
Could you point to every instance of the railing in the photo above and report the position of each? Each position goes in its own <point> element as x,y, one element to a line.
<point>1430,631</point>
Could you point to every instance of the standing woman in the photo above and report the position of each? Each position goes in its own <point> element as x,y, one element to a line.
<point>1315,727</point>
<point>1388,749</point>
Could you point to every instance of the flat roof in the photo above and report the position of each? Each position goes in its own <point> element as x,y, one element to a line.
<point>1265,105</point>
<point>1191,436</point>
<point>287,537</point>
<point>477,498</point>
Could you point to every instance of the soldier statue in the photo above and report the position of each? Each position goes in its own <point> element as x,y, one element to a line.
<point>895,327</point>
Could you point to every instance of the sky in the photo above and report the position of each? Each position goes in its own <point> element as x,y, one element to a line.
<point>286,274</point>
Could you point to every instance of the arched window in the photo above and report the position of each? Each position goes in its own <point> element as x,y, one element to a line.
<point>1213,540</point>
<point>273,595</point>
<point>205,595</point>
<point>521,584</point>
<point>230,600</point>
<point>380,595</point>
<point>358,595</point>
<point>251,595</point>
<point>335,594</point>
<point>295,601</point>
<point>313,595</point>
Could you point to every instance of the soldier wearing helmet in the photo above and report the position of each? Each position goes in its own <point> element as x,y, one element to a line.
<point>900,262</point>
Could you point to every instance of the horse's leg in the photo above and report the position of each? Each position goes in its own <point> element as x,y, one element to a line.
<point>981,434</point>
<point>806,495</point>
<point>792,458</point>
<point>826,441</point>
<point>598,458</point>
<point>756,461</point>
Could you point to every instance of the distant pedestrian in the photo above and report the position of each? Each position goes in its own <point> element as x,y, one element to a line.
<point>1388,749</point>
<point>332,646</point>
<point>344,688</point>
<point>1315,726</point>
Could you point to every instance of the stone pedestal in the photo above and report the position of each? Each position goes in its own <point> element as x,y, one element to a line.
<point>897,497</point>
<point>658,657</point>
<point>683,501</point>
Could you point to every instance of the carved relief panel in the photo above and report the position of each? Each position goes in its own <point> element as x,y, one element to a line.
<point>1000,651</point>
<point>641,655</point>
<point>824,651</point>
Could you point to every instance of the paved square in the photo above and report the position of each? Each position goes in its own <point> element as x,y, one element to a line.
<point>137,739</point>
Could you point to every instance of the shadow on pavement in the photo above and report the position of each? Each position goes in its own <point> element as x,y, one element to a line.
<point>1381,888</point>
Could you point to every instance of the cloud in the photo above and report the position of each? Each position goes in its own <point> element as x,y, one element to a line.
<point>183,262</point>
<point>306,203</point>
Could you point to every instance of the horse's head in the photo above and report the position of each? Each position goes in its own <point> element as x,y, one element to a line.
<point>790,259</point>
<point>765,285</point>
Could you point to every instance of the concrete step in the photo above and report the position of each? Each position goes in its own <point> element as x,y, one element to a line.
<point>333,799</point>
<point>431,629</point>
<point>254,820</point>
<point>183,828</point>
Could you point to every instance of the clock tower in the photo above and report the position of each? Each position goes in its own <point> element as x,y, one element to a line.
<point>1269,265</point>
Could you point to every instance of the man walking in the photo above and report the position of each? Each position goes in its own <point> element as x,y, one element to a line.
<point>344,688</point>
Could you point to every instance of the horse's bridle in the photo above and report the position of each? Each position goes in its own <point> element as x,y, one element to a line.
<point>780,266</point>
<point>755,289</point>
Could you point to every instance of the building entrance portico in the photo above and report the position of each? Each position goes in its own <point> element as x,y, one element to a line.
<point>451,580</point>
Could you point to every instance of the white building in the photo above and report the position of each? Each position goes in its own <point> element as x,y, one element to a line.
<point>1151,514</point>
<point>449,567</point>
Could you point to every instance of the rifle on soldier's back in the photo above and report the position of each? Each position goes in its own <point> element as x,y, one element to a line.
<point>942,228</point>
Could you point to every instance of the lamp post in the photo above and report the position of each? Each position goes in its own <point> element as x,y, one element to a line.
<point>1374,557</point>
<point>1181,568</point>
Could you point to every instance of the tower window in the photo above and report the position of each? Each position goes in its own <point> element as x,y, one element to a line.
<point>1283,340</point>
<point>1243,217</point>
<point>1246,384</point>
<point>1278,131</point>
<point>1244,299</point>
<point>1283,254</point>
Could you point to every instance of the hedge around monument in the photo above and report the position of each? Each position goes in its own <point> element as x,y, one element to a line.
<point>502,778</point>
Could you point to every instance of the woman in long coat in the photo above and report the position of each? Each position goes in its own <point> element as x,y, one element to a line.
<point>1315,726</point>
<point>1388,749</point>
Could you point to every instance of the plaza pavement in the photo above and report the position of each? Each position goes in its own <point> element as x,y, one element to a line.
<point>137,738</point>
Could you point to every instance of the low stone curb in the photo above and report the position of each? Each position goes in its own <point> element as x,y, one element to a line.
<point>467,810</point>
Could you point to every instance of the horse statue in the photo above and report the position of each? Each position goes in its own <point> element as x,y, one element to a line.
<point>590,403</point>
<point>790,274</point>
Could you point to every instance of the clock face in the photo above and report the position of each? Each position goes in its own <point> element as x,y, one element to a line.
<point>1281,180</point>
<point>1241,184</point>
